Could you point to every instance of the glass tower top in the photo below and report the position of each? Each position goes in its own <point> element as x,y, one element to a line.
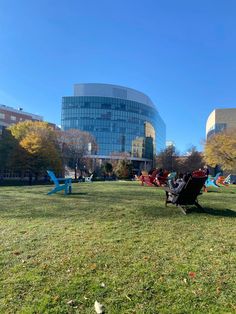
<point>121,119</point>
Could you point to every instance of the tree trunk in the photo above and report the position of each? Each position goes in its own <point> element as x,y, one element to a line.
<point>30,178</point>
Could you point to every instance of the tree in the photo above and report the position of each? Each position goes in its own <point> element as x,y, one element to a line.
<point>9,149</point>
<point>220,150</point>
<point>37,148</point>
<point>75,146</point>
<point>193,161</point>
<point>123,169</point>
<point>107,168</point>
<point>167,159</point>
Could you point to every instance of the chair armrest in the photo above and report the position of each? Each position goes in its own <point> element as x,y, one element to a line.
<point>64,179</point>
<point>167,189</point>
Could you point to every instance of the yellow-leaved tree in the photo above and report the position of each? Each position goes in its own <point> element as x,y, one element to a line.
<point>39,145</point>
<point>220,150</point>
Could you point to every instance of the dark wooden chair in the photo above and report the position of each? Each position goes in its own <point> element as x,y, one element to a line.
<point>188,194</point>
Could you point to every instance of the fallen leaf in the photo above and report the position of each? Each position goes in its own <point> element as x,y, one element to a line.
<point>99,308</point>
<point>128,297</point>
<point>192,274</point>
<point>16,252</point>
<point>56,298</point>
<point>93,266</point>
<point>71,303</point>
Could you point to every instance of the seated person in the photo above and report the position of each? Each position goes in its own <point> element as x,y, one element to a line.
<point>161,177</point>
<point>160,173</point>
<point>150,172</point>
<point>174,183</point>
<point>180,183</point>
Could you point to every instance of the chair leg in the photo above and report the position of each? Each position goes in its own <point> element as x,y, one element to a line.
<point>184,210</point>
<point>166,199</point>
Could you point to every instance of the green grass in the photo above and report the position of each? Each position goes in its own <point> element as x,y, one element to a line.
<point>116,243</point>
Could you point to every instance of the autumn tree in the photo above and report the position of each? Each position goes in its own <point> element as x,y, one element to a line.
<point>116,156</point>
<point>220,149</point>
<point>123,169</point>
<point>75,146</point>
<point>38,147</point>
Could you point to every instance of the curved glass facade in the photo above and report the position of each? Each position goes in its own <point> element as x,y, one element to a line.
<point>119,125</point>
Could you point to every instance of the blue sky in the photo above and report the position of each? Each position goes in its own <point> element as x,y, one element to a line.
<point>182,54</point>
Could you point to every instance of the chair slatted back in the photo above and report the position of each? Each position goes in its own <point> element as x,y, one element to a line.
<point>190,191</point>
<point>53,178</point>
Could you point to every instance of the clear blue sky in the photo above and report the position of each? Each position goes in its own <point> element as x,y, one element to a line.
<point>182,54</point>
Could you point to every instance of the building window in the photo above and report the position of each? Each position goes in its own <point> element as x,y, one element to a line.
<point>105,106</point>
<point>2,115</point>
<point>13,118</point>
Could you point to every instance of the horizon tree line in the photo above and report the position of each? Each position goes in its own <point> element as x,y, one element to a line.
<point>32,147</point>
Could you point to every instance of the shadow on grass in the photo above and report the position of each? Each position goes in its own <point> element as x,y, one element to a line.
<point>65,196</point>
<point>175,211</point>
<point>212,191</point>
<point>214,212</point>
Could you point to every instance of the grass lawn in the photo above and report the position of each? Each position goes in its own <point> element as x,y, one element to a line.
<point>116,243</point>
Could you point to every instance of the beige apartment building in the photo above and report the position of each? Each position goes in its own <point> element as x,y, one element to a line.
<point>220,120</point>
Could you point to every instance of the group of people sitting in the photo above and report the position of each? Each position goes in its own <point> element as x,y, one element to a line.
<point>160,177</point>
<point>182,189</point>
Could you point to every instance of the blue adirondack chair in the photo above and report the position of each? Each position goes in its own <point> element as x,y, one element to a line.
<point>211,181</point>
<point>66,184</point>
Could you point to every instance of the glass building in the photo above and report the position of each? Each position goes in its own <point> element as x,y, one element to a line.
<point>121,119</point>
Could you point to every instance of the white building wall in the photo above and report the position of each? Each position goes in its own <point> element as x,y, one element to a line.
<point>109,90</point>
